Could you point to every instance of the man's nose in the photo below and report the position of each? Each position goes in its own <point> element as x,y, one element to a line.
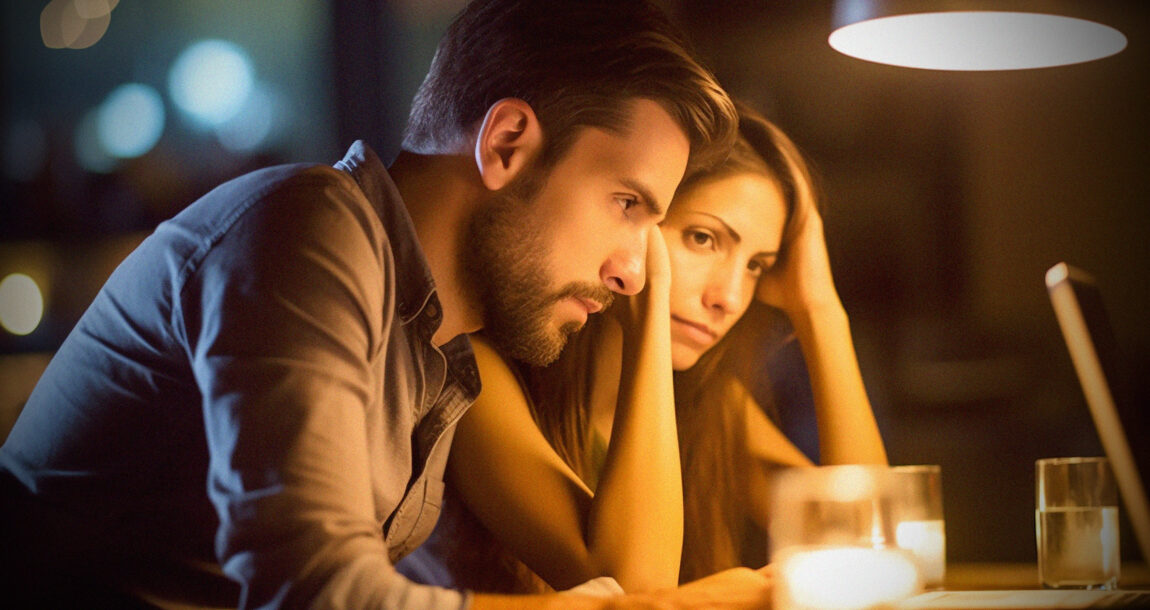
<point>624,272</point>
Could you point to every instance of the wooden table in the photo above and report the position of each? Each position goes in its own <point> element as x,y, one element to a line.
<point>976,576</point>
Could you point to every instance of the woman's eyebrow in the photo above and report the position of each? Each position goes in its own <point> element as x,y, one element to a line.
<point>733,233</point>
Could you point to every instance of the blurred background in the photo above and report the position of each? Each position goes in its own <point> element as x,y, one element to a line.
<point>947,194</point>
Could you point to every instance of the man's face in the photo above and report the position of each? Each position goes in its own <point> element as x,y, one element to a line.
<point>556,245</point>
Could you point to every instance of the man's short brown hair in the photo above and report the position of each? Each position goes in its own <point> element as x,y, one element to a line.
<point>577,63</point>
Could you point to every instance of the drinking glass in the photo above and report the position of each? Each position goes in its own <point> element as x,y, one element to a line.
<point>919,523</point>
<point>832,537</point>
<point>1076,523</point>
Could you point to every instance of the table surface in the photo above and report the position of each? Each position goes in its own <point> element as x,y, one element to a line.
<point>980,576</point>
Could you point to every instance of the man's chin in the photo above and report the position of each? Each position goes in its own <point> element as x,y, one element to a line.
<point>533,348</point>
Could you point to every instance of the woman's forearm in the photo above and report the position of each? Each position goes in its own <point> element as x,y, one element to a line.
<point>847,429</point>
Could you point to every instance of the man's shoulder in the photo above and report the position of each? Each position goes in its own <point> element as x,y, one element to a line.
<point>262,183</point>
<point>291,190</point>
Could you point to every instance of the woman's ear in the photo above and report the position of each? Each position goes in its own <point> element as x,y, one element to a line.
<point>509,138</point>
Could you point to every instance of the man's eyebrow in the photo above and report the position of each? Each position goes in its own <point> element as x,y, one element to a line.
<point>645,196</point>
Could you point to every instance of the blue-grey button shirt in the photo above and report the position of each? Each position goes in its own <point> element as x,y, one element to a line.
<point>255,390</point>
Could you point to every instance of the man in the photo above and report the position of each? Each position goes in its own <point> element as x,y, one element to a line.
<point>266,389</point>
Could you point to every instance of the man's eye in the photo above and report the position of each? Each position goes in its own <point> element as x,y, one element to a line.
<point>626,202</point>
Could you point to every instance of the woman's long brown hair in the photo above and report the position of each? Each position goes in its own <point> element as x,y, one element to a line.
<point>710,398</point>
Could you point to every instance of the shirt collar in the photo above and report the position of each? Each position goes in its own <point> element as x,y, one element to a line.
<point>413,275</point>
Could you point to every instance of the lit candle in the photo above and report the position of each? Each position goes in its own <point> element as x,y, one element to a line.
<point>927,540</point>
<point>844,578</point>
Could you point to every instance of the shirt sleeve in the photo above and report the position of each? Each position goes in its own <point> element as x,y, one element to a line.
<point>282,316</point>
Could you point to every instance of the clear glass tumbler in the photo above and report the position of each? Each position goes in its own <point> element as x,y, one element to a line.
<point>919,523</point>
<point>832,537</point>
<point>1076,523</point>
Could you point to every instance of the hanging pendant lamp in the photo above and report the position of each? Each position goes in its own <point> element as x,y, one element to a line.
<point>970,35</point>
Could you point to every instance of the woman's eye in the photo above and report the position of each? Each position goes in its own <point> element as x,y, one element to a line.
<point>756,268</point>
<point>699,238</point>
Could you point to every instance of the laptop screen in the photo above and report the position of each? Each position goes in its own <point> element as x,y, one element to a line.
<point>1093,348</point>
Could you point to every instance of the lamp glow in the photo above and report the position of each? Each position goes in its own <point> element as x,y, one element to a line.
<point>977,40</point>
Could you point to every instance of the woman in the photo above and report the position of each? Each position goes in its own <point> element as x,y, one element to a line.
<point>531,465</point>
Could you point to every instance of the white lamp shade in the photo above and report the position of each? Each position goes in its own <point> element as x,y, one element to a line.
<point>917,35</point>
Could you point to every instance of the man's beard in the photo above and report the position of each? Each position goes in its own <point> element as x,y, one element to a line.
<point>505,256</point>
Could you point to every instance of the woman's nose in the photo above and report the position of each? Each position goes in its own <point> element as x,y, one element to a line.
<point>723,290</point>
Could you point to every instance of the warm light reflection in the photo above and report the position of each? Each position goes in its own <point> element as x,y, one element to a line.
<point>21,304</point>
<point>75,24</point>
<point>977,40</point>
<point>210,81</point>
<point>844,578</point>
<point>927,541</point>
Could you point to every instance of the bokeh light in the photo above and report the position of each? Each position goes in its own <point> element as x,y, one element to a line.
<point>92,9</point>
<point>130,121</point>
<point>75,24</point>
<point>249,129</point>
<point>210,81</point>
<point>90,154</point>
<point>21,304</point>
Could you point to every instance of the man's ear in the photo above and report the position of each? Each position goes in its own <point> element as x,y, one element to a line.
<point>509,138</point>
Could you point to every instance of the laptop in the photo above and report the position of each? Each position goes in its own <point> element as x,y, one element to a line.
<point>1078,306</point>
<point>1090,340</point>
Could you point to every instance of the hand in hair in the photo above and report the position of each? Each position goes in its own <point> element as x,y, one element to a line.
<point>801,281</point>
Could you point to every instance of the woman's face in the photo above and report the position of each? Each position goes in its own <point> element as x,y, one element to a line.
<point>721,235</point>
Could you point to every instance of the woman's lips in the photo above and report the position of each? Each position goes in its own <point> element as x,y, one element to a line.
<point>694,332</point>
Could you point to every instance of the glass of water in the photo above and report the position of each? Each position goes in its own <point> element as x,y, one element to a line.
<point>1076,523</point>
<point>832,539</point>
<point>920,527</point>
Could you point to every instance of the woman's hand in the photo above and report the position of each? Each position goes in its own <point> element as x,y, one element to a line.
<point>801,281</point>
